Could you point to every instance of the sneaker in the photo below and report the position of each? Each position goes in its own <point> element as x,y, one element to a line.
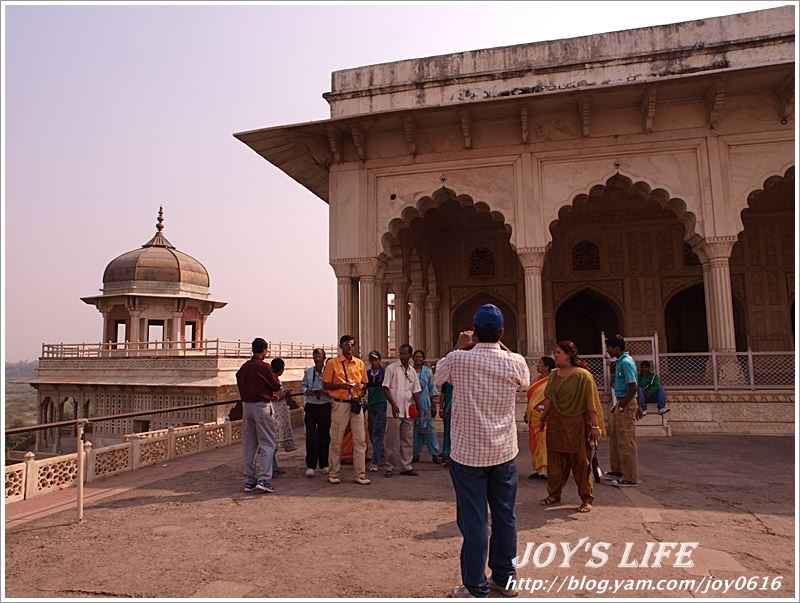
<point>250,487</point>
<point>644,412</point>
<point>409,472</point>
<point>388,473</point>
<point>664,411</point>
<point>309,472</point>
<point>612,474</point>
<point>334,480</point>
<point>263,486</point>
<point>362,479</point>
<point>622,483</point>
<point>460,592</point>
<point>502,590</point>
<point>373,468</point>
<point>436,459</point>
<point>324,471</point>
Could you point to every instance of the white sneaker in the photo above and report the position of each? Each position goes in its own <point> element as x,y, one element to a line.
<point>373,468</point>
<point>334,480</point>
<point>309,472</point>
<point>644,413</point>
<point>362,479</point>
<point>324,470</point>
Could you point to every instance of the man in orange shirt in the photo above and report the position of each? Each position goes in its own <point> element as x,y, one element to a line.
<point>344,378</point>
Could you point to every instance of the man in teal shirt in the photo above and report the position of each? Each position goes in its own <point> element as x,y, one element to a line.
<point>622,432</point>
<point>650,389</point>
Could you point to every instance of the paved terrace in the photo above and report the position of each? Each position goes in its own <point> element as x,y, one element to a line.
<point>187,530</point>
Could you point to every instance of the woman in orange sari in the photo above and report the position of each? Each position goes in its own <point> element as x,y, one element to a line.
<point>537,440</point>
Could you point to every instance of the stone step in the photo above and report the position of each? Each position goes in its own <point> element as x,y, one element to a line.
<point>653,424</point>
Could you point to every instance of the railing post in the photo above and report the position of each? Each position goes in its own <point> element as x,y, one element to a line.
<point>80,460</point>
<point>135,452</point>
<point>202,433</point>
<point>31,476</point>
<point>750,369</point>
<point>715,377</point>
<point>227,430</point>
<point>87,446</point>
<point>170,443</point>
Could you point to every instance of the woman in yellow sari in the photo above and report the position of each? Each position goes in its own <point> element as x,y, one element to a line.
<point>537,439</point>
<point>574,422</point>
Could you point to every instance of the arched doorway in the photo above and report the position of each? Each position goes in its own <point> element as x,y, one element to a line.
<point>685,321</point>
<point>462,318</point>
<point>762,267</point>
<point>583,317</point>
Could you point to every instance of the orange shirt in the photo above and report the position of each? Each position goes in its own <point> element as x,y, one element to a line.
<point>341,370</point>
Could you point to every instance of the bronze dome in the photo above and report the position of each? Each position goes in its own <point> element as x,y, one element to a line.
<point>157,261</point>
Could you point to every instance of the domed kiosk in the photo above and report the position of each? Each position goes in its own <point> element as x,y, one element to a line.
<point>155,294</point>
<point>153,354</point>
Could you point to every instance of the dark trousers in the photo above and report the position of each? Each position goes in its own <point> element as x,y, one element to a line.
<point>377,431</point>
<point>318,434</point>
<point>476,489</point>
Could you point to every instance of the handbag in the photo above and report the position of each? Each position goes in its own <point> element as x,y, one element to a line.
<point>596,471</point>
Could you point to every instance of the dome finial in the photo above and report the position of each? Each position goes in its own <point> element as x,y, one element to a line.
<point>159,240</point>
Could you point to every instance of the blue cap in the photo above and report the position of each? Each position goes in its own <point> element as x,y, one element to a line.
<point>488,316</point>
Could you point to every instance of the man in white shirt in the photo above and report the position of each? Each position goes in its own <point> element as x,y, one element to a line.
<point>485,377</point>
<point>401,384</point>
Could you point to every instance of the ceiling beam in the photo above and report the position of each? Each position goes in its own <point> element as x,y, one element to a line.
<point>715,97</point>
<point>410,130</point>
<point>466,127</point>
<point>585,114</point>
<point>648,109</point>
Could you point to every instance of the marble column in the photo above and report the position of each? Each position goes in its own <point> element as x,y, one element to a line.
<point>401,318</point>
<point>532,260</point>
<point>714,253</point>
<point>383,319</point>
<point>344,311</point>
<point>368,303</point>
<point>417,304</point>
<point>432,325</point>
<point>175,331</point>
<point>134,336</point>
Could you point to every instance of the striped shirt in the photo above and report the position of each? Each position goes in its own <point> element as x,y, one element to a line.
<point>485,382</point>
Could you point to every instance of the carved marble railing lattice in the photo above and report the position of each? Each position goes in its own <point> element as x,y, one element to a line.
<point>112,460</point>
<point>58,472</point>
<point>214,436</point>
<point>15,482</point>
<point>187,442</point>
<point>152,452</point>
<point>236,431</point>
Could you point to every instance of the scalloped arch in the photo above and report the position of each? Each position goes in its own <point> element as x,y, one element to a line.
<point>642,189</point>
<point>426,203</point>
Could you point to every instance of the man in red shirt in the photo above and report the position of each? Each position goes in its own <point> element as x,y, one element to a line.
<point>258,388</point>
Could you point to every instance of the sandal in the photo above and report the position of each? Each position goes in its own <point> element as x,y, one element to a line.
<point>546,502</point>
<point>584,508</point>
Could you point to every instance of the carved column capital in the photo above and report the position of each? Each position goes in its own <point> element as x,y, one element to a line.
<point>714,248</point>
<point>532,257</point>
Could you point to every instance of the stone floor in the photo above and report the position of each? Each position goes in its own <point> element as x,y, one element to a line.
<point>187,530</point>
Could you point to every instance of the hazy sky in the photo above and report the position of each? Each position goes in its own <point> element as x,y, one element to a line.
<point>112,110</point>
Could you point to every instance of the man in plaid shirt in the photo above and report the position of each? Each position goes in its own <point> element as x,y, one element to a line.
<point>485,376</point>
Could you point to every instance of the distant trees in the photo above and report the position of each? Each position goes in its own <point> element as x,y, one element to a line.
<point>22,369</point>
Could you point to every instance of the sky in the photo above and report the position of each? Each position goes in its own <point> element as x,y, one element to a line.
<point>110,111</point>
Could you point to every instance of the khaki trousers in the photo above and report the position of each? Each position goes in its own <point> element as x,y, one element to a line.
<point>399,443</point>
<point>341,417</point>
<point>624,455</point>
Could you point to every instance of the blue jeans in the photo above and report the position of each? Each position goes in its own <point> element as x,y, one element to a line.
<point>258,436</point>
<point>660,397</point>
<point>429,439</point>
<point>476,489</point>
<point>377,429</point>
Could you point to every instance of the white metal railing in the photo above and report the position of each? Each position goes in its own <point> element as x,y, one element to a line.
<point>713,370</point>
<point>207,347</point>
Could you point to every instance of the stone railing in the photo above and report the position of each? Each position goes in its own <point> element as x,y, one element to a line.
<point>33,477</point>
<point>209,347</point>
